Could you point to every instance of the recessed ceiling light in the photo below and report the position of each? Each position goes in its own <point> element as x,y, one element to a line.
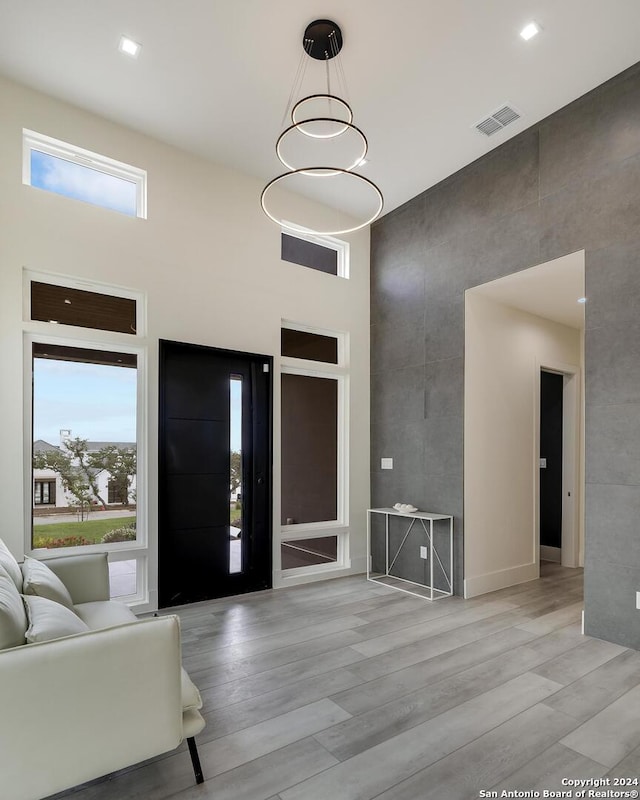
<point>582,300</point>
<point>529,31</point>
<point>129,47</point>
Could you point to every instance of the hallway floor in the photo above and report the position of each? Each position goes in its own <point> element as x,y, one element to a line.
<point>347,690</point>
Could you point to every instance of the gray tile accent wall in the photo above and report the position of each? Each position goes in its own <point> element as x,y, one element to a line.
<point>572,182</point>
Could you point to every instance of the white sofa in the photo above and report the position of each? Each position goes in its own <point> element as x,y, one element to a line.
<point>80,706</point>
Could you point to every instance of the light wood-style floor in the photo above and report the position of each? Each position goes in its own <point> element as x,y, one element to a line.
<point>346,690</point>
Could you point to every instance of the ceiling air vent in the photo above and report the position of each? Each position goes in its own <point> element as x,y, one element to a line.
<point>499,119</point>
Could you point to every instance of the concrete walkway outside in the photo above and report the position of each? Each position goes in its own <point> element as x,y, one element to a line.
<point>51,519</point>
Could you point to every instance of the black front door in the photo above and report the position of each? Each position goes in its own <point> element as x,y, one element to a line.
<point>214,524</point>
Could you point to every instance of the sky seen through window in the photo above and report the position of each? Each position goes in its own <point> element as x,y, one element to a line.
<point>81,182</point>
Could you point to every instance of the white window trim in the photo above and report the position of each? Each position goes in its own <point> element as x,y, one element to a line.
<point>91,339</point>
<point>141,542</point>
<point>340,526</point>
<point>88,286</point>
<point>31,140</point>
<point>341,247</point>
<point>342,556</point>
<point>291,533</point>
<point>341,520</point>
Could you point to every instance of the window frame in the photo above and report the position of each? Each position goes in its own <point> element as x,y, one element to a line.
<point>340,526</point>
<point>96,287</point>
<point>32,140</point>
<point>42,481</point>
<point>339,245</point>
<point>141,541</point>
<point>341,336</point>
<point>341,479</point>
<point>92,339</point>
<point>111,491</point>
<point>342,554</point>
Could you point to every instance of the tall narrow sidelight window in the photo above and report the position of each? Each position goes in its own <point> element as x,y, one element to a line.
<point>235,474</point>
<point>309,449</point>
<point>314,450</point>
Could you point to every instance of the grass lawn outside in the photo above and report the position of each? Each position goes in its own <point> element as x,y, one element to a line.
<point>91,529</point>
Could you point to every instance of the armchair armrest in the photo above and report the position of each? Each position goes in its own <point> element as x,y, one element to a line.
<point>86,576</point>
<point>85,705</point>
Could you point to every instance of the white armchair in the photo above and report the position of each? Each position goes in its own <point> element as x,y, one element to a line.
<point>82,706</point>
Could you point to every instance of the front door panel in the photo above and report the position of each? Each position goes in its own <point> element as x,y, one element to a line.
<point>215,437</point>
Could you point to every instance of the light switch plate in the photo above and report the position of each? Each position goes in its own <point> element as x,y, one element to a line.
<point>386,463</point>
<point>543,463</point>
<point>423,552</point>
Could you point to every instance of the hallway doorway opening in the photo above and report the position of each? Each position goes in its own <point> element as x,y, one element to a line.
<point>524,338</point>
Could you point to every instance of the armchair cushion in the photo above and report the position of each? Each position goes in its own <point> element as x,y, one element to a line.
<point>86,576</point>
<point>104,614</point>
<point>39,580</point>
<point>50,620</point>
<point>13,619</point>
<point>10,565</point>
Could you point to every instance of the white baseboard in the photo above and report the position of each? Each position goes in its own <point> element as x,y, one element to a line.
<point>550,553</point>
<point>500,579</point>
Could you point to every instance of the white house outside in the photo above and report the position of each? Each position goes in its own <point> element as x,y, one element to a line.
<point>50,495</point>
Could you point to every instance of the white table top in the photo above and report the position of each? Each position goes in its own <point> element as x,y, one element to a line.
<point>416,514</point>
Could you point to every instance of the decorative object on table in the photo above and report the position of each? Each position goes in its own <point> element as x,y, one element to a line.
<point>321,148</point>
<point>405,508</point>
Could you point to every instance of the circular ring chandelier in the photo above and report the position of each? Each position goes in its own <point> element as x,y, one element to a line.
<point>322,172</point>
<point>296,128</point>
<point>313,98</point>
<point>325,121</point>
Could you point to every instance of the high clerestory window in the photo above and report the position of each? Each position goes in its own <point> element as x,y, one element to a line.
<point>80,174</point>
<point>322,253</point>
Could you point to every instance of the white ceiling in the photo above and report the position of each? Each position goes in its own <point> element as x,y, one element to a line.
<point>549,290</point>
<point>214,76</point>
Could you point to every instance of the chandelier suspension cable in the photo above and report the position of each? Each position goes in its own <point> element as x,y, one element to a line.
<point>297,83</point>
<point>342,78</point>
<point>328,69</point>
<point>340,73</point>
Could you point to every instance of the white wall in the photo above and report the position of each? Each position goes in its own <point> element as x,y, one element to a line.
<point>504,349</point>
<point>208,260</point>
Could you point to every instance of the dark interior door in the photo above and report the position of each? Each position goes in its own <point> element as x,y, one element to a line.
<point>215,434</point>
<point>551,388</point>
